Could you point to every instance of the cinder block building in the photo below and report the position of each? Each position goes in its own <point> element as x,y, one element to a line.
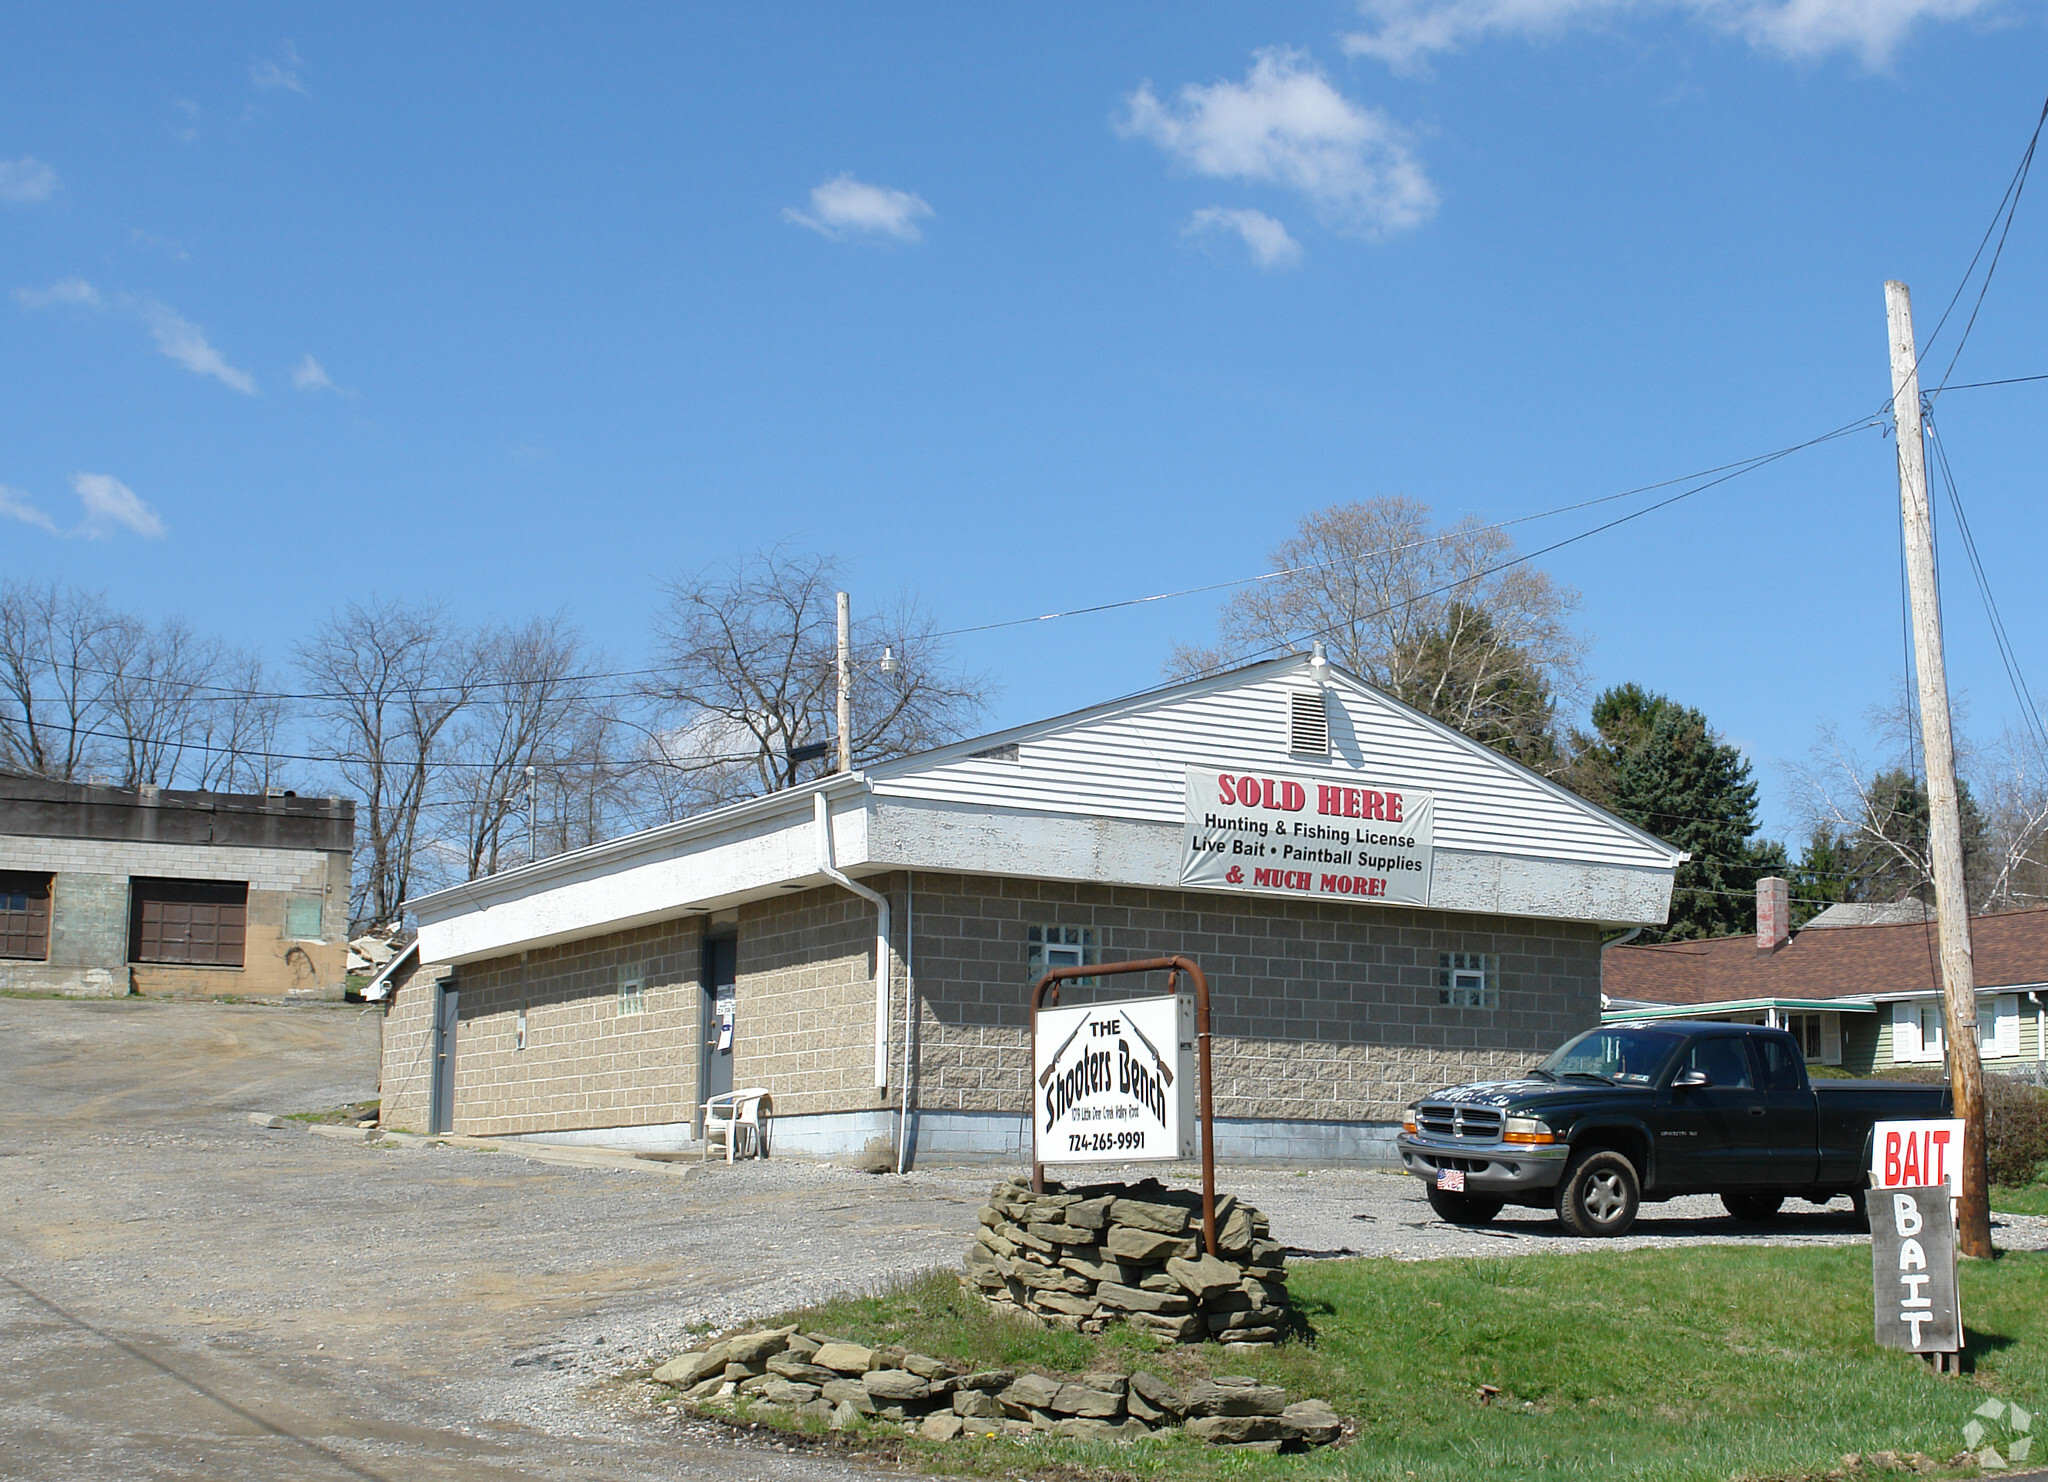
<point>1382,906</point>
<point>113,890</point>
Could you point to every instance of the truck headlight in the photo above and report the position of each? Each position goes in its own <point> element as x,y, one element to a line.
<point>1408,1119</point>
<point>1527,1130</point>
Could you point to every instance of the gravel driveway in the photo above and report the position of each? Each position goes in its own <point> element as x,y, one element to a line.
<point>183,1294</point>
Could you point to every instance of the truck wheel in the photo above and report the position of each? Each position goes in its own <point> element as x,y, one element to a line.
<point>1463,1209</point>
<point>1599,1195</point>
<point>1754,1207</point>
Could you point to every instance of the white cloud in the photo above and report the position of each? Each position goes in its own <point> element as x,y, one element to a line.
<point>16,505</point>
<point>311,375</point>
<point>109,505</point>
<point>1286,125</point>
<point>1270,245</point>
<point>184,341</point>
<point>279,73</point>
<point>844,207</point>
<point>26,181</point>
<point>175,335</point>
<point>1404,33</point>
<point>75,292</point>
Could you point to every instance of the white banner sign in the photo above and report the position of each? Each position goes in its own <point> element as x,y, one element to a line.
<point>1910,1155</point>
<point>1306,836</point>
<point>1115,1082</point>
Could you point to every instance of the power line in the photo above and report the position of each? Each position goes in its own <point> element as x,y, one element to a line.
<point>2008,205</point>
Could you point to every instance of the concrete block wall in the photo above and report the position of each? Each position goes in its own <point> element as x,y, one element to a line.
<point>585,1064</point>
<point>1321,1010</point>
<point>806,1005</point>
<point>405,1076</point>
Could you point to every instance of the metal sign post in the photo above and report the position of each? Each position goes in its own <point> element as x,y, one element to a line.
<point>1049,987</point>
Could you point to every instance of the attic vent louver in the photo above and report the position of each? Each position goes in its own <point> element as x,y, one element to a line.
<point>1308,724</point>
<point>1007,752</point>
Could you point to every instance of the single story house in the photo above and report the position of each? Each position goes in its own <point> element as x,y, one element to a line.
<point>1863,997</point>
<point>115,890</point>
<point>1382,907</point>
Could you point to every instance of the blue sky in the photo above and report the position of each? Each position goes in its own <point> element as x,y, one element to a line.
<point>1018,309</point>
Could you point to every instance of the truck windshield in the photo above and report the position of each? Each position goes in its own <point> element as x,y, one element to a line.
<point>1627,1057</point>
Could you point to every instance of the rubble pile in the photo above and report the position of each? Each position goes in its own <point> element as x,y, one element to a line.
<point>818,1378</point>
<point>1085,1257</point>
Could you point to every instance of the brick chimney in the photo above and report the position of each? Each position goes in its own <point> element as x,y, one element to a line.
<point>1773,913</point>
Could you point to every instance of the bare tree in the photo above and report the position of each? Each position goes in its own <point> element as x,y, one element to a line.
<point>54,686</point>
<point>1444,619</point>
<point>390,680</point>
<point>237,733</point>
<point>747,664</point>
<point>533,709</point>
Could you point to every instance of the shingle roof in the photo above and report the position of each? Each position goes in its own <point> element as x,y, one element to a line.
<point>1841,962</point>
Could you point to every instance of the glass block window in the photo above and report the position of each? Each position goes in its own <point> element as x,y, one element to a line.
<point>1048,947</point>
<point>632,996</point>
<point>302,915</point>
<point>1468,980</point>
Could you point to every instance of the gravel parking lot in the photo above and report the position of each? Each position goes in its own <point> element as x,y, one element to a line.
<point>183,1294</point>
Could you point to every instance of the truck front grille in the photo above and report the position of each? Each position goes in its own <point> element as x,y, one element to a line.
<point>1472,1123</point>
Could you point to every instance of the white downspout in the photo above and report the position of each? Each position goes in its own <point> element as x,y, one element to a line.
<point>909,1018</point>
<point>822,813</point>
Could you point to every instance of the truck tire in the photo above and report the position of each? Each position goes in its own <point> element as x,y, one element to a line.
<point>1463,1209</point>
<point>1752,1207</point>
<point>1599,1194</point>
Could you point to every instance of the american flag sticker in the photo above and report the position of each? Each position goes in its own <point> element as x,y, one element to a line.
<point>1451,1180</point>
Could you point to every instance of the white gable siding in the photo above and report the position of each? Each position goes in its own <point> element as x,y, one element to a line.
<point>1127,764</point>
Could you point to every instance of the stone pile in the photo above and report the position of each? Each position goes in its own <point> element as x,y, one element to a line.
<point>818,1378</point>
<point>1085,1257</point>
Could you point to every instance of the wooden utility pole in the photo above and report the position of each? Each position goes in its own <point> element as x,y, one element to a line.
<point>1944,829</point>
<point>845,684</point>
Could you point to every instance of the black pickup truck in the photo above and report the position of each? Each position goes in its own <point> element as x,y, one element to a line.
<point>1650,1111</point>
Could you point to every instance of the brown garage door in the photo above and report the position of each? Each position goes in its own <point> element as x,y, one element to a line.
<point>202,922</point>
<point>24,914</point>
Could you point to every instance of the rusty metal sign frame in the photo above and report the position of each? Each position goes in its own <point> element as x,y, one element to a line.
<point>1173,967</point>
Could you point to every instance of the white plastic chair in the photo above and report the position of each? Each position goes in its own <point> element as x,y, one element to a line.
<point>736,1118</point>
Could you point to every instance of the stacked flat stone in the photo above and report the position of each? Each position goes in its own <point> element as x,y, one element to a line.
<point>816,1377</point>
<point>1085,1257</point>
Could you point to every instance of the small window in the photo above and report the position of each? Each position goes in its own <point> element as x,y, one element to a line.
<point>1723,1060</point>
<point>632,997</point>
<point>519,1029</point>
<point>1049,947</point>
<point>1308,724</point>
<point>1819,1036</point>
<point>197,923</point>
<point>1468,980</point>
<point>1933,1039</point>
<point>302,915</point>
<point>24,915</point>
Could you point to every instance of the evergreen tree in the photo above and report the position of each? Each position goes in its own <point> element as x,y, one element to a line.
<point>1659,765</point>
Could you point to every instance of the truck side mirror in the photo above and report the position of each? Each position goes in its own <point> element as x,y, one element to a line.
<point>1691,1078</point>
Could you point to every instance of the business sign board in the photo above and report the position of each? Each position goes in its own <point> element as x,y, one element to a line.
<point>1307,837</point>
<point>1115,1082</point>
<point>1913,1265</point>
<point>1907,1155</point>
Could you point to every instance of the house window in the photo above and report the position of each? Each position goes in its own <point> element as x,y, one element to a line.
<point>632,996</point>
<point>1819,1036</point>
<point>1468,980</point>
<point>1049,947</point>
<point>1933,1038</point>
<point>24,915</point>
<point>197,923</point>
<point>302,917</point>
<point>1308,723</point>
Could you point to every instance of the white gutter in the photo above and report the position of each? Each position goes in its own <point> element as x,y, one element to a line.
<point>821,813</point>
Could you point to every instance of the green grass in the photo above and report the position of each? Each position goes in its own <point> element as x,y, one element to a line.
<point>337,1116</point>
<point>2033,1199</point>
<point>1657,1365</point>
